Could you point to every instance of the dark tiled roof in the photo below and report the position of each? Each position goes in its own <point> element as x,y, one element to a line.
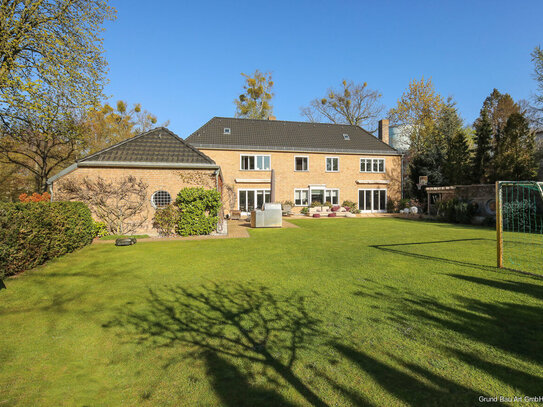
<point>159,145</point>
<point>252,134</point>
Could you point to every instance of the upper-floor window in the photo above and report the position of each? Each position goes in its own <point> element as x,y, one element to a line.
<point>372,165</point>
<point>332,164</point>
<point>301,163</point>
<point>255,162</point>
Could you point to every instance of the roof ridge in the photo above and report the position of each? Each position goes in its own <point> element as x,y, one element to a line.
<point>120,143</point>
<point>171,133</point>
<point>283,121</point>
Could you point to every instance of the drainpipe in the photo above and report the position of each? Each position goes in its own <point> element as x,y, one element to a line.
<point>401,180</point>
<point>272,185</point>
<point>217,180</point>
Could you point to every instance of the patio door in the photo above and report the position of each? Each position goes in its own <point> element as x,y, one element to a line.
<point>372,200</point>
<point>251,199</point>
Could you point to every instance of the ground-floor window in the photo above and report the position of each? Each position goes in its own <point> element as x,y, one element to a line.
<point>301,197</point>
<point>251,199</point>
<point>372,200</point>
<point>304,197</point>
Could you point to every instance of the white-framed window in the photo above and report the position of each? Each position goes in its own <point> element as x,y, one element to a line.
<point>372,165</point>
<point>301,163</point>
<point>227,130</point>
<point>255,162</point>
<point>301,197</point>
<point>332,164</point>
<point>332,196</point>
<point>161,199</point>
<point>324,195</point>
<point>251,199</point>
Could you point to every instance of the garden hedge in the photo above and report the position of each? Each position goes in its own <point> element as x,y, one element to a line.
<point>32,233</point>
<point>199,210</point>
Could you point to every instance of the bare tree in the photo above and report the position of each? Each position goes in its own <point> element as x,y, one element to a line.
<point>43,145</point>
<point>121,203</point>
<point>354,104</point>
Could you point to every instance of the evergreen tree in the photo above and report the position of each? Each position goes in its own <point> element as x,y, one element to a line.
<point>456,168</point>
<point>516,159</point>
<point>483,150</point>
<point>448,124</point>
<point>429,163</point>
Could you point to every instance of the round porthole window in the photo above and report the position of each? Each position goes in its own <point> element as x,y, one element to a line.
<point>160,199</point>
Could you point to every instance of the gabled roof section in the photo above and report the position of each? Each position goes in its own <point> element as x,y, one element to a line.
<point>250,134</point>
<point>157,146</point>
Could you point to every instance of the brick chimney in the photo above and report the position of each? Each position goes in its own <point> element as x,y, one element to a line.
<point>383,131</point>
<point>272,117</point>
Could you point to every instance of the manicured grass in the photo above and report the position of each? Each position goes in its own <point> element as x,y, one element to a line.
<point>337,312</point>
<point>114,237</point>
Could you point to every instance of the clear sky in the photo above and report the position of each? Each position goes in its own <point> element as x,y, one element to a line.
<point>182,59</point>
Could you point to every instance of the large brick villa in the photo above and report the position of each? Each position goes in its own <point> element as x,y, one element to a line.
<point>311,162</point>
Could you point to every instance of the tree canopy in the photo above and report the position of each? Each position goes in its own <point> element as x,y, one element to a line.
<point>254,102</point>
<point>353,103</point>
<point>417,110</point>
<point>50,51</point>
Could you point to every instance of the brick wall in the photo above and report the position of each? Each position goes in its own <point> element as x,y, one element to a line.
<point>287,179</point>
<point>170,180</point>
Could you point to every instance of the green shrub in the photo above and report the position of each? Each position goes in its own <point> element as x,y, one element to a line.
<point>100,229</point>
<point>391,206</point>
<point>166,219</point>
<point>353,207</point>
<point>316,203</point>
<point>403,203</point>
<point>32,233</point>
<point>199,209</point>
<point>305,210</point>
<point>456,211</point>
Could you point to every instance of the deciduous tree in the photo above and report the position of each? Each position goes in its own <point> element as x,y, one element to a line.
<point>50,47</point>
<point>254,102</point>
<point>43,144</point>
<point>108,125</point>
<point>417,110</point>
<point>353,103</point>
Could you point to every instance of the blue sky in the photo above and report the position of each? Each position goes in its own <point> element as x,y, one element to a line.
<point>182,60</point>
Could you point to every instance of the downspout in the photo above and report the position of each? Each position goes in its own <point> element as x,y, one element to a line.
<point>51,191</point>
<point>401,180</point>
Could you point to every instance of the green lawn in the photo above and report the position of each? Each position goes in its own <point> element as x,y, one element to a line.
<point>338,312</point>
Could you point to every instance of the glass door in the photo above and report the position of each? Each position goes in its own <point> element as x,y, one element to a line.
<point>251,199</point>
<point>372,200</point>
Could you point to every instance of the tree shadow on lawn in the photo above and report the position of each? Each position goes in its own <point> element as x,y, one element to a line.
<point>514,328</point>
<point>404,385</point>
<point>393,248</point>
<point>241,321</point>
<point>533,290</point>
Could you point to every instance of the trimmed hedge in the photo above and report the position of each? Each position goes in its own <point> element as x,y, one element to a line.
<point>32,233</point>
<point>199,210</point>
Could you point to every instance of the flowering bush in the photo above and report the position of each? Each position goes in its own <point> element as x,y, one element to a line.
<point>35,197</point>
